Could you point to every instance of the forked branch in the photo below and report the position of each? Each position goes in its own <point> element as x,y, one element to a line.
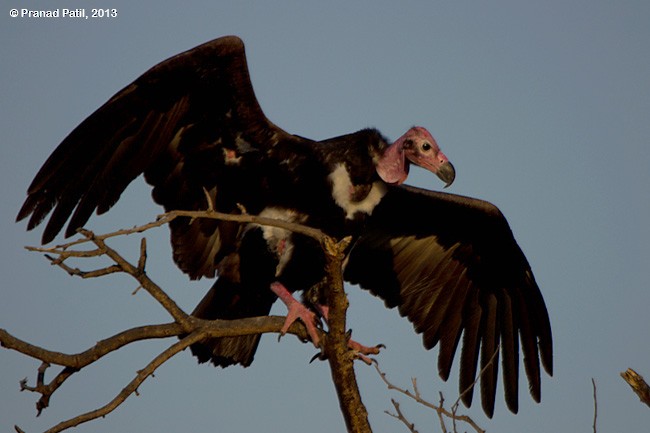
<point>184,326</point>
<point>439,408</point>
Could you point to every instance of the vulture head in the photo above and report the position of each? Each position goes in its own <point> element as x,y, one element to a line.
<point>416,146</point>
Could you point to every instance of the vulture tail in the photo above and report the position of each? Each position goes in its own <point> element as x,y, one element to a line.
<point>230,300</point>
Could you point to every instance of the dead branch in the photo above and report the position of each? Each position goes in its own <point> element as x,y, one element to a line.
<point>593,384</point>
<point>188,328</point>
<point>73,363</point>
<point>441,418</point>
<point>440,410</point>
<point>130,388</point>
<point>336,349</point>
<point>168,217</point>
<point>638,384</point>
<point>400,416</point>
<point>121,265</point>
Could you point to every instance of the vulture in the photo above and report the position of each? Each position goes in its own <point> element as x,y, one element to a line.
<point>194,128</point>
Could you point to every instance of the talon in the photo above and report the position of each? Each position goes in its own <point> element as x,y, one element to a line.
<point>320,356</point>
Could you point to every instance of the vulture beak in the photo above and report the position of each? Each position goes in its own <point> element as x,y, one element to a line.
<point>446,173</point>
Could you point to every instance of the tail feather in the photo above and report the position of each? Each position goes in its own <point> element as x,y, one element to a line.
<point>226,351</point>
<point>231,300</point>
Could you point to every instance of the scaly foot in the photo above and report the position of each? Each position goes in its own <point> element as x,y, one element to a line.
<point>362,351</point>
<point>296,310</point>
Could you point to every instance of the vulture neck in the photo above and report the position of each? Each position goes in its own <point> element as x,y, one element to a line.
<point>392,165</point>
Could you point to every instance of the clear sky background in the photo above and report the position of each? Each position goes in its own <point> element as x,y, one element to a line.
<point>543,107</point>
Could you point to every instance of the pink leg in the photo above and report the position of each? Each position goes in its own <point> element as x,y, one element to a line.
<point>296,310</point>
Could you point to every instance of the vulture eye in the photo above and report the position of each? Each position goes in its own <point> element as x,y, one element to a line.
<point>426,146</point>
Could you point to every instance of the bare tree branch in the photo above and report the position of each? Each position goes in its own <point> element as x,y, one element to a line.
<point>189,328</point>
<point>440,410</point>
<point>340,358</point>
<point>593,384</point>
<point>72,363</point>
<point>441,418</point>
<point>123,265</point>
<point>209,328</point>
<point>147,371</point>
<point>480,374</point>
<point>400,416</point>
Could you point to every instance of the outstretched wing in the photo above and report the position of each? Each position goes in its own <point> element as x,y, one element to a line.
<point>451,265</point>
<point>190,123</point>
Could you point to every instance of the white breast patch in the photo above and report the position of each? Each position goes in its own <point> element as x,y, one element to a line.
<point>342,191</point>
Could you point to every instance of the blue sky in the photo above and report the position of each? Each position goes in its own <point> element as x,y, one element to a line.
<point>543,108</point>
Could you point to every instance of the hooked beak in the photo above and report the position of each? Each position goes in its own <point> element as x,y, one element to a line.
<point>446,173</point>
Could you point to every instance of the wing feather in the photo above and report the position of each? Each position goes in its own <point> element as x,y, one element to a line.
<point>471,344</point>
<point>174,124</point>
<point>453,267</point>
<point>510,350</point>
<point>489,354</point>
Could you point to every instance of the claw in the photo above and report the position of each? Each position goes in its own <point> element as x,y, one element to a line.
<point>320,356</point>
<point>365,350</point>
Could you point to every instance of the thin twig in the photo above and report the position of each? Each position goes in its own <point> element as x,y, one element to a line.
<point>478,376</point>
<point>73,363</point>
<point>130,388</point>
<point>438,408</point>
<point>121,264</point>
<point>142,261</point>
<point>76,272</point>
<point>190,329</point>
<point>441,418</point>
<point>593,384</point>
<point>168,217</point>
<point>208,199</point>
<point>400,416</point>
<point>154,290</point>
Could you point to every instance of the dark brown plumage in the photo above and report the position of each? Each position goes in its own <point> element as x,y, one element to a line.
<point>192,124</point>
<point>455,270</point>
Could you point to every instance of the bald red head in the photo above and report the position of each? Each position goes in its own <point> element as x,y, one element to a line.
<point>416,146</point>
